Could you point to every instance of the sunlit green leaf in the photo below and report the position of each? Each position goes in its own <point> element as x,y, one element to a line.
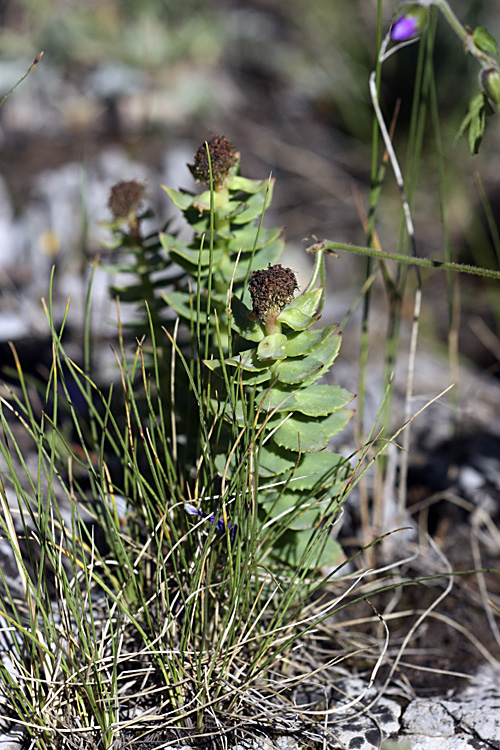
<point>299,344</point>
<point>242,324</point>
<point>307,369</point>
<point>314,470</point>
<point>300,433</point>
<point>313,401</point>
<point>179,198</point>
<point>292,547</point>
<point>308,302</point>
<point>272,347</point>
<point>301,512</point>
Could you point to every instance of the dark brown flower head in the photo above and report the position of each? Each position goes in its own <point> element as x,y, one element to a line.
<point>271,290</point>
<point>223,156</point>
<point>125,200</point>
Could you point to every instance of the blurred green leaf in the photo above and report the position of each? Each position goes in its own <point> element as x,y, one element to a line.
<point>485,41</point>
<point>179,198</point>
<point>475,120</point>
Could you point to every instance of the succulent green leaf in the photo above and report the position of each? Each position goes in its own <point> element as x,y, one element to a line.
<point>275,460</point>
<point>305,370</point>
<point>300,433</point>
<point>180,199</point>
<point>261,259</point>
<point>245,238</point>
<point>247,360</point>
<point>272,347</point>
<point>292,548</point>
<point>241,323</point>
<point>306,342</point>
<point>183,303</point>
<point>296,319</point>
<point>295,371</point>
<point>181,252</point>
<point>314,470</point>
<point>302,513</point>
<point>308,302</point>
<point>253,372</point>
<point>245,185</point>
<point>252,208</point>
<point>231,210</point>
<point>313,401</point>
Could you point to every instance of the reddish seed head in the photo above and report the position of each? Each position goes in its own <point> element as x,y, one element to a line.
<point>125,200</point>
<point>223,157</point>
<point>271,290</point>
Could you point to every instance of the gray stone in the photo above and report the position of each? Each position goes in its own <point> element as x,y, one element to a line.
<point>429,718</point>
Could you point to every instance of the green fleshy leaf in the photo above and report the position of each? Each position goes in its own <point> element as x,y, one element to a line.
<point>296,371</point>
<point>241,323</point>
<point>300,433</point>
<point>179,198</point>
<point>184,304</point>
<point>253,372</point>
<point>247,360</point>
<point>485,41</point>
<point>306,370</point>
<point>181,252</point>
<point>262,258</point>
<point>245,184</point>
<point>292,546</point>
<point>231,210</point>
<point>314,470</point>
<point>314,401</point>
<point>300,344</point>
<point>296,319</point>
<point>244,238</point>
<point>252,207</point>
<point>272,347</point>
<point>274,460</point>
<point>308,302</point>
<point>302,513</point>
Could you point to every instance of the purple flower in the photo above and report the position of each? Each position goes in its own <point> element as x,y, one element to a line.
<point>410,22</point>
<point>219,522</point>
<point>404,28</point>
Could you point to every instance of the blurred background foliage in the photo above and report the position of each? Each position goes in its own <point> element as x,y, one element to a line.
<point>286,81</point>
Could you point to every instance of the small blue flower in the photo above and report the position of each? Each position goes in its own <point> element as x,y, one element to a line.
<point>410,22</point>
<point>219,522</point>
